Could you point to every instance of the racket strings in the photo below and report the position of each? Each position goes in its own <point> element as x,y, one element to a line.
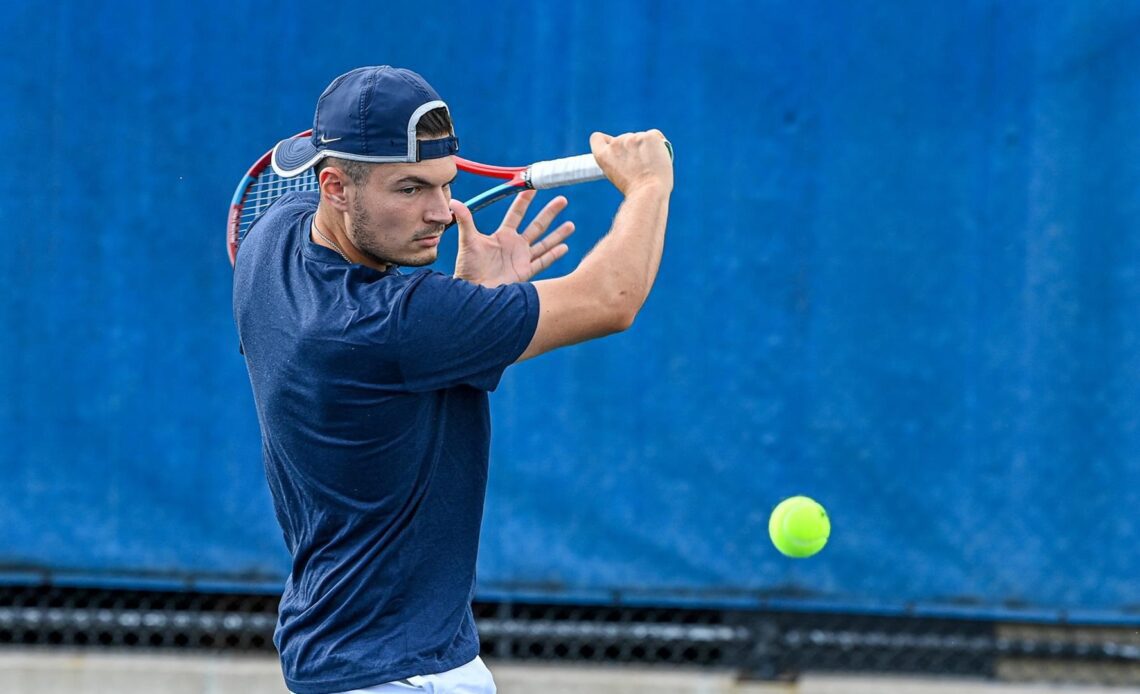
<point>264,191</point>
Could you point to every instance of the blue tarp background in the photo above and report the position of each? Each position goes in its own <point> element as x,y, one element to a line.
<point>901,277</point>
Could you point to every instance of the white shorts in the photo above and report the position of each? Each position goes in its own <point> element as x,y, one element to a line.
<point>472,678</point>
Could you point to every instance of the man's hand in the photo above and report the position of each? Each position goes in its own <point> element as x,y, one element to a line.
<point>634,160</point>
<point>508,256</point>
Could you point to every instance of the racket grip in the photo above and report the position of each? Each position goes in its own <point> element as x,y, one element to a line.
<point>564,172</point>
<point>568,171</point>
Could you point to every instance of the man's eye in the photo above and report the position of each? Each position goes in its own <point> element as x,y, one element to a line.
<point>410,190</point>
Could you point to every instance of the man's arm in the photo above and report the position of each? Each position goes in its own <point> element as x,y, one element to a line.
<point>605,292</point>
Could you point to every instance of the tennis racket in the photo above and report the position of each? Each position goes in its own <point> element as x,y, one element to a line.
<point>261,186</point>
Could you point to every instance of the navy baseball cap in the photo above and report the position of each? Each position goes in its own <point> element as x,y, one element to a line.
<point>369,114</point>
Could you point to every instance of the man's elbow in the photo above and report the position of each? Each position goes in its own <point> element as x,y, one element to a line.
<point>614,301</point>
<point>622,310</point>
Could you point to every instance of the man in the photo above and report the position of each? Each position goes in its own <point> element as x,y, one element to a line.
<point>371,385</point>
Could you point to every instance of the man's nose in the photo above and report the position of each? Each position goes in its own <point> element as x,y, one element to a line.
<point>439,211</point>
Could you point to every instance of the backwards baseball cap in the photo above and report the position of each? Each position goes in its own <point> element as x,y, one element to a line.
<point>369,114</point>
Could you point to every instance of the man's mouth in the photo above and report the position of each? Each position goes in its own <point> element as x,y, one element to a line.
<point>428,239</point>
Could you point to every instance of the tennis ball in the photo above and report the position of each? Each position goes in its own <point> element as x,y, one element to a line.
<point>799,527</point>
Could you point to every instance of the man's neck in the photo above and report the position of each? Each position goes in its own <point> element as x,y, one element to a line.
<point>328,231</point>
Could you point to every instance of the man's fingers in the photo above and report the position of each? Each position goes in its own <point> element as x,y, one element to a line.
<point>632,159</point>
<point>553,239</point>
<point>539,224</point>
<point>545,260</point>
<point>514,216</point>
<point>463,218</point>
<point>599,139</point>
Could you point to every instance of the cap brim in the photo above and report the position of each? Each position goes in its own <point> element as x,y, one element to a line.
<point>294,156</point>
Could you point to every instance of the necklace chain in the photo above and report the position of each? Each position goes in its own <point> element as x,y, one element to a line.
<point>332,243</point>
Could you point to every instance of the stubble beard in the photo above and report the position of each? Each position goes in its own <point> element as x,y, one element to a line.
<point>360,221</point>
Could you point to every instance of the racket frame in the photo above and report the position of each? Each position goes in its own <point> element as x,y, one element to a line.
<point>517,180</point>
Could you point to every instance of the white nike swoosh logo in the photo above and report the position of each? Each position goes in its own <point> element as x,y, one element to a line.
<point>325,140</point>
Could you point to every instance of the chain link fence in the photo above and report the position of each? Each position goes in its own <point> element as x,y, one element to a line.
<point>757,645</point>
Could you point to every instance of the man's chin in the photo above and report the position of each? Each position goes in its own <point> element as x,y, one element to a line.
<point>420,259</point>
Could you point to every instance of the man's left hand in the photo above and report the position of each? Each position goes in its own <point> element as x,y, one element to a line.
<point>508,256</point>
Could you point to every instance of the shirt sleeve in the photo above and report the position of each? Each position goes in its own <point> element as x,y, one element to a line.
<point>453,332</point>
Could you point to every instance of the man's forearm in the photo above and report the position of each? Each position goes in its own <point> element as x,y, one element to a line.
<point>623,265</point>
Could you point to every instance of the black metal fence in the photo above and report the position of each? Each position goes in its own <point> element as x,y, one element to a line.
<point>758,645</point>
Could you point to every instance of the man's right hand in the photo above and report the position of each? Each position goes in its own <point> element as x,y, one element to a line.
<point>635,160</point>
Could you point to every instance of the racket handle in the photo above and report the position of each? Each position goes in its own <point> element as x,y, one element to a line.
<point>568,171</point>
<point>563,172</point>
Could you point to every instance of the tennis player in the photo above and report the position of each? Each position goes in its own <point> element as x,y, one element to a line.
<point>371,383</point>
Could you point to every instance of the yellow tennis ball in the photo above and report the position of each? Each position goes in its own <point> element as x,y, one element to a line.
<point>799,527</point>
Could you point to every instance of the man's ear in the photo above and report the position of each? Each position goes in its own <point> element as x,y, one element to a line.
<point>331,183</point>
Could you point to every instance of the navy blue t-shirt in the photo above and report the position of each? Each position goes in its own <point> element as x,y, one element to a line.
<point>371,391</point>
